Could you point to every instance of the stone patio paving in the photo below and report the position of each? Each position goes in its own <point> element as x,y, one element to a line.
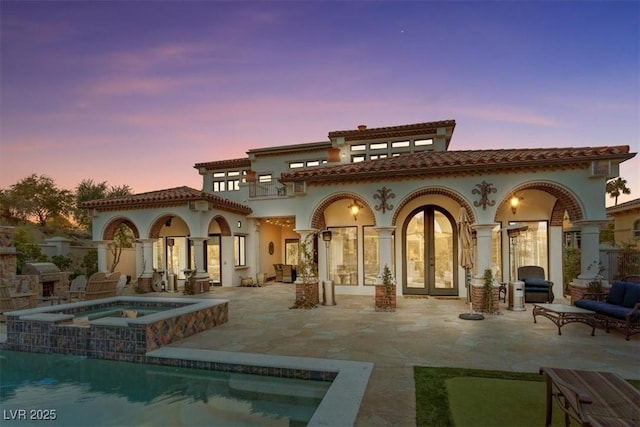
<point>423,331</point>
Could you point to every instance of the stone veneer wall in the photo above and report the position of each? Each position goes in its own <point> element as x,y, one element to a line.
<point>124,343</point>
<point>477,298</point>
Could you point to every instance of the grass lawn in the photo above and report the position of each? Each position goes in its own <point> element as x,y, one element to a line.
<point>471,397</point>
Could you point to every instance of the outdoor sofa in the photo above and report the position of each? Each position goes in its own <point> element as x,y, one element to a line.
<point>619,308</point>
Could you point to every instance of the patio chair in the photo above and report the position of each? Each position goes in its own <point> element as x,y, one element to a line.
<point>536,287</point>
<point>77,287</point>
<point>12,301</point>
<point>287,273</point>
<point>122,282</point>
<point>103,288</point>
<point>278,269</point>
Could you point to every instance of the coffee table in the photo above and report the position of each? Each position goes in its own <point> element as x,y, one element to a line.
<point>561,314</point>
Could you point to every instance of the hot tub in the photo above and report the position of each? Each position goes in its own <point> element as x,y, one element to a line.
<point>79,329</point>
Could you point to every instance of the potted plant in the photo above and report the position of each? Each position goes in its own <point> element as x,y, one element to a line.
<point>190,282</point>
<point>487,302</point>
<point>386,292</point>
<point>596,286</point>
<point>307,295</point>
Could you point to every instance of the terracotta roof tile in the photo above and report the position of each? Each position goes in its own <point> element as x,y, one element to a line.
<point>169,197</point>
<point>392,131</point>
<point>624,208</point>
<point>470,162</point>
<point>225,164</point>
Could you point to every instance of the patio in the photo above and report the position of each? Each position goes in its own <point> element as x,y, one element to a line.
<point>423,331</point>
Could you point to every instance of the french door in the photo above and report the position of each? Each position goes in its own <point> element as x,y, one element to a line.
<point>430,252</point>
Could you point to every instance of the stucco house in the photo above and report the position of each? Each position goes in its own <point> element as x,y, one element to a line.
<point>626,220</point>
<point>389,195</point>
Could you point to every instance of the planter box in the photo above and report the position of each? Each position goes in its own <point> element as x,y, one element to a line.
<point>307,295</point>
<point>477,299</point>
<point>385,301</point>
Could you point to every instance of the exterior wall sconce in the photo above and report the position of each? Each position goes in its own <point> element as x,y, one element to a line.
<point>514,202</point>
<point>239,224</point>
<point>355,209</point>
<point>326,235</point>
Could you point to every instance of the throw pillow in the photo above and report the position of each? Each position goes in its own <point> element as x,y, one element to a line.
<point>616,293</point>
<point>536,282</point>
<point>631,295</point>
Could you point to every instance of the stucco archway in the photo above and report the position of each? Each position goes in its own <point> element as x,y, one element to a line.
<point>318,217</point>
<point>430,192</point>
<point>115,223</point>
<point>565,201</point>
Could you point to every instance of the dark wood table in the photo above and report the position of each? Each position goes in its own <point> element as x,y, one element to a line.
<point>592,398</point>
<point>561,314</point>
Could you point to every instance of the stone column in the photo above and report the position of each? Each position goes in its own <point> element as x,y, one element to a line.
<point>201,276</point>
<point>482,262</point>
<point>385,248</point>
<point>146,278</point>
<point>103,248</point>
<point>589,248</point>
<point>483,249</point>
<point>147,257</point>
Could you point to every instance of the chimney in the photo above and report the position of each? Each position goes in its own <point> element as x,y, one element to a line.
<point>362,127</point>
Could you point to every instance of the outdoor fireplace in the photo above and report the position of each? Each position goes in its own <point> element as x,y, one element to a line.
<point>52,282</point>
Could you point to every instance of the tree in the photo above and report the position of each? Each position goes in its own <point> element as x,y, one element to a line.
<point>123,238</point>
<point>27,248</point>
<point>616,187</point>
<point>36,197</point>
<point>89,190</point>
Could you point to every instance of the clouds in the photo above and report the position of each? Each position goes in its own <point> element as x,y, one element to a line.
<point>199,81</point>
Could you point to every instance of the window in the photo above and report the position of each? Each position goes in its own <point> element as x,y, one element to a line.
<point>360,147</point>
<point>400,144</point>
<point>313,163</point>
<point>296,165</point>
<point>378,146</point>
<point>636,229</point>
<point>265,178</point>
<point>234,173</point>
<point>291,250</point>
<point>219,186</point>
<point>219,175</point>
<point>233,185</point>
<point>240,250</point>
<point>378,156</point>
<point>531,245</point>
<point>343,255</point>
<point>422,142</point>
<point>356,159</point>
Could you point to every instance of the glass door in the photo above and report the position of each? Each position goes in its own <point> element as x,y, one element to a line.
<point>430,252</point>
<point>213,257</point>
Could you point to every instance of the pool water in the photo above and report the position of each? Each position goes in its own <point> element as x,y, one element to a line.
<point>118,312</point>
<point>77,391</point>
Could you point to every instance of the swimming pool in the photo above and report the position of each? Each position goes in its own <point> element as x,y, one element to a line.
<point>79,391</point>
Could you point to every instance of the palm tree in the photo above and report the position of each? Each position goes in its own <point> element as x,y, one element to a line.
<point>616,187</point>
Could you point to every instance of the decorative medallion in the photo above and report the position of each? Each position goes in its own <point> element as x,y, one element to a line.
<point>383,194</point>
<point>484,190</point>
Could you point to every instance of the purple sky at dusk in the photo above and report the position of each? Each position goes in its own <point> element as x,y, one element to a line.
<point>138,92</point>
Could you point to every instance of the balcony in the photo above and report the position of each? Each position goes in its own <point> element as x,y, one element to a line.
<point>267,189</point>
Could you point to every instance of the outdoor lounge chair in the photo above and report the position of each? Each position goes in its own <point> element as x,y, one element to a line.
<point>101,286</point>
<point>536,287</point>
<point>77,287</point>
